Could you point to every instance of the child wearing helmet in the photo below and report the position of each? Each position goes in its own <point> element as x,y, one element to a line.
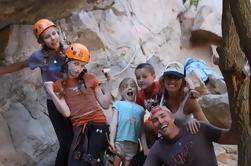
<point>49,59</point>
<point>79,96</point>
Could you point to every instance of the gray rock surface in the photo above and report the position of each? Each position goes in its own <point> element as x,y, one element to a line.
<point>120,34</point>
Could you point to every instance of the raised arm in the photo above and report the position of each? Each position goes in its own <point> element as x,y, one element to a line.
<point>219,135</point>
<point>192,106</point>
<point>60,103</point>
<point>228,137</point>
<point>13,67</point>
<point>104,98</point>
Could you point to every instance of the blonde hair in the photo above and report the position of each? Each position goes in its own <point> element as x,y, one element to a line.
<point>124,82</point>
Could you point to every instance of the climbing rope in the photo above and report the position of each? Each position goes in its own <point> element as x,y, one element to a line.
<point>114,75</point>
<point>125,68</point>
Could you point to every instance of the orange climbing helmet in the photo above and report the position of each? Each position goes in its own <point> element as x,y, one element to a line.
<point>78,51</point>
<point>41,25</point>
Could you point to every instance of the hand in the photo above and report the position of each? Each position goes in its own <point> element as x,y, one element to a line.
<point>193,126</point>
<point>194,93</point>
<point>48,86</point>
<point>146,151</point>
<point>112,147</point>
<point>107,74</point>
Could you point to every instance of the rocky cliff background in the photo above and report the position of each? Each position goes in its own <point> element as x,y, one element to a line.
<point>120,34</point>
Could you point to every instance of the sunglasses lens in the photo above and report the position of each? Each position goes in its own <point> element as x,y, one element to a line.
<point>173,77</point>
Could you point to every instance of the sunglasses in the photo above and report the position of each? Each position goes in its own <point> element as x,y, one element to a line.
<point>172,77</point>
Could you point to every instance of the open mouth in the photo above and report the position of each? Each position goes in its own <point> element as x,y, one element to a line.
<point>164,127</point>
<point>129,94</point>
<point>171,85</point>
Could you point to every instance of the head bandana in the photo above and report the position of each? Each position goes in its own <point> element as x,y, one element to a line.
<point>156,109</point>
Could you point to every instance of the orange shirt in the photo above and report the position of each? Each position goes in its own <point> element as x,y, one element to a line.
<point>83,105</point>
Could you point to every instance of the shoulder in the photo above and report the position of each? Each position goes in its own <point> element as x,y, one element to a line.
<point>121,103</point>
<point>139,107</point>
<point>156,84</point>
<point>91,79</point>
<point>191,100</point>
<point>141,93</point>
<point>140,97</point>
<point>192,105</point>
<point>117,104</point>
<point>90,76</point>
<point>37,53</point>
<point>36,59</point>
<point>155,87</point>
<point>57,85</point>
<point>158,144</point>
<point>210,131</point>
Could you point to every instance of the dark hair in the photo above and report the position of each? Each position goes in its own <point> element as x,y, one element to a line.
<point>125,81</point>
<point>163,89</point>
<point>46,49</point>
<point>147,66</point>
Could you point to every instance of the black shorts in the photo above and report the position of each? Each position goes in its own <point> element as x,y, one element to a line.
<point>97,135</point>
<point>97,143</point>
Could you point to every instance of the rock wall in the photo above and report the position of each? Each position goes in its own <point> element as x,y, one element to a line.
<point>120,34</point>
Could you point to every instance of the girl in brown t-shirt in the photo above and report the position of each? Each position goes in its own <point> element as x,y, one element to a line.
<point>79,96</point>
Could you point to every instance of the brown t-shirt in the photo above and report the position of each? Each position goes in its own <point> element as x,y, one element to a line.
<point>186,149</point>
<point>83,105</point>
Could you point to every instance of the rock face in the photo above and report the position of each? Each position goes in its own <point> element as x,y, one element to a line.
<point>12,11</point>
<point>215,106</point>
<point>226,154</point>
<point>120,34</point>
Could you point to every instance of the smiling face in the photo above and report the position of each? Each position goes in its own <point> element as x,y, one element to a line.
<point>50,37</point>
<point>162,119</point>
<point>173,83</point>
<point>75,67</point>
<point>145,78</point>
<point>128,89</point>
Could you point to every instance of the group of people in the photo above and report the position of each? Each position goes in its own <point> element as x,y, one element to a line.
<point>176,132</point>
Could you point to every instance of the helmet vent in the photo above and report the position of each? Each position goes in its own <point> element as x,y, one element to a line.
<point>41,26</point>
<point>81,54</point>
